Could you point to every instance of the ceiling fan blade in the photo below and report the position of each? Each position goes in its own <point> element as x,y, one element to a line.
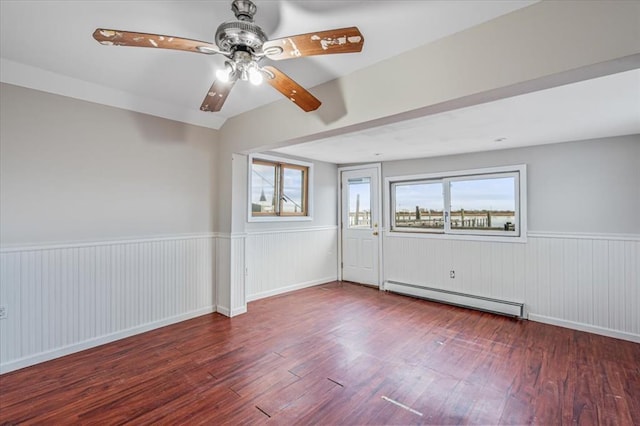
<point>127,38</point>
<point>292,90</point>
<point>216,95</point>
<point>343,40</point>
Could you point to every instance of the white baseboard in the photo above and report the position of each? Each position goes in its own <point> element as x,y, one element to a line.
<point>239,311</point>
<point>299,286</point>
<point>585,327</point>
<point>91,343</point>
<point>223,310</point>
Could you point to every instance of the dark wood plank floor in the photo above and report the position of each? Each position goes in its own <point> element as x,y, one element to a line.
<point>337,354</point>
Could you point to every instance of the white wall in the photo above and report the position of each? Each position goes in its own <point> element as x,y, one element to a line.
<point>66,298</point>
<point>580,265</point>
<point>106,221</point>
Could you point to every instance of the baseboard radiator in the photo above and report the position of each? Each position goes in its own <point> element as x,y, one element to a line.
<point>480,303</point>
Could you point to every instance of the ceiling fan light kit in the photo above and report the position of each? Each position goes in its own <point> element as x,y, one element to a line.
<point>245,45</point>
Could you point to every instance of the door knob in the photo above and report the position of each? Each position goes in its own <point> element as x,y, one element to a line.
<point>375,233</point>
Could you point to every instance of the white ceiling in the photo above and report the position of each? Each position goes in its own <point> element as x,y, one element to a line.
<point>601,107</point>
<point>47,45</point>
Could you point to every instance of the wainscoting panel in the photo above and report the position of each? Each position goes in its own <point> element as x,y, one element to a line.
<point>586,282</point>
<point>230,280</point>
<point>238,272</point>
<point>223,274</point>
<point>65,298</point>
<point>487,269</point>
<point>286,260</point>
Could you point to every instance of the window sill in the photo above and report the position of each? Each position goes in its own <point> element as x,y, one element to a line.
<point>465,237</point>
<point>280,219</point>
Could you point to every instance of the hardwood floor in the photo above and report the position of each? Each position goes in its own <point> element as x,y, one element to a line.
<point>337,354</point>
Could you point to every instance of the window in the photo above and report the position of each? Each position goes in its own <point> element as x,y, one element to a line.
<point>419,205</point>
<point>359,202</point>
<point>483,203</point>
<point>278,189</point>
<point>487,202</point>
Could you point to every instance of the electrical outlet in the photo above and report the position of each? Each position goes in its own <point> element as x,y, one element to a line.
<point>3,312</point>
<point>452,274</point>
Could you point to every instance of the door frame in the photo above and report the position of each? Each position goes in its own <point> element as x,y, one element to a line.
<point>382,220</point>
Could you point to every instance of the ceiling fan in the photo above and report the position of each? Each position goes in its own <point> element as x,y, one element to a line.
<point>245,46</point>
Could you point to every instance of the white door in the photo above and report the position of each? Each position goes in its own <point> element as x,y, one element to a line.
<point>360,225</point>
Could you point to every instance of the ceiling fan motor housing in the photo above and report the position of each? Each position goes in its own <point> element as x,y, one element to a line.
<point>242,34</point>
<point>230,35</point>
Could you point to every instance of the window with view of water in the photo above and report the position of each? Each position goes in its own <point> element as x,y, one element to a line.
<point>478,203</point>
<point>419,205</point>
<point>278,188</point>
<point>483,204</point>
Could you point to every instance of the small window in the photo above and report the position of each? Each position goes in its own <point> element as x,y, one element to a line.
<point>480,202</point>
<point>278,188</point>
<point>360,202</point>
<point>293,199</point>
<point>263,181</point>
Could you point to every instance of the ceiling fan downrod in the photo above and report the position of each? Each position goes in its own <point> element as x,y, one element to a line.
<point>244,10</point>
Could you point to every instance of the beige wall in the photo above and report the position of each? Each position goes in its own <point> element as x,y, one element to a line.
<point>589,187</point>
<point>138,175</point>
<point>76,171</point>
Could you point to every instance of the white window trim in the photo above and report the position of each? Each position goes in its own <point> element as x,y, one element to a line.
<point>448,233</point>
<point>308,217</point>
